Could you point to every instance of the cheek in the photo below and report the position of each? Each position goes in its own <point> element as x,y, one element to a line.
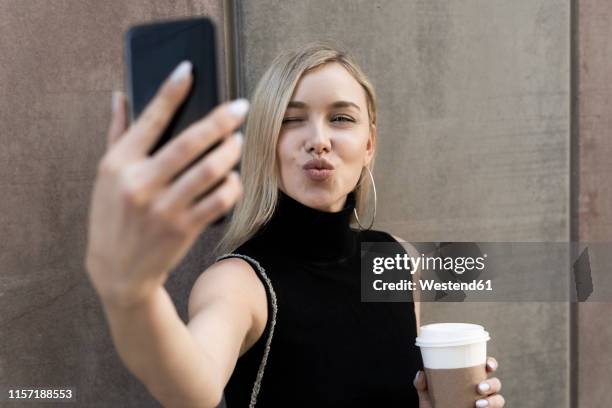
<point>285,152</point>
<point>352,153</point>
<point>352,149</point>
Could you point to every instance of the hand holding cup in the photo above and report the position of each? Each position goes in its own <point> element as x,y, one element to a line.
<point>454,357</point>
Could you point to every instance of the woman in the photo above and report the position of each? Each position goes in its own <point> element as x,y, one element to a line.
<point>278,321</point>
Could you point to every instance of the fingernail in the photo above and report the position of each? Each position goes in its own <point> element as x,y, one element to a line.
<point>484,387</point>
<point>416,378</point>
<point>238,108</point>
<point>181,72</point>
<point>239,137</point>
<point>115,101</point>
<point>492,364</point>
<point>482,403</point>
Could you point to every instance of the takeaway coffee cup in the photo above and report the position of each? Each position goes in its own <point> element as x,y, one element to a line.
<point>454,357</point>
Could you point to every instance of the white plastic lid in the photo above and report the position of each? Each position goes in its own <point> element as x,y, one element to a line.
<point>451,334</point>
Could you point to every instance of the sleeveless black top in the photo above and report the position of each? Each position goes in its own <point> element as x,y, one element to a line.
<point>322,346</point>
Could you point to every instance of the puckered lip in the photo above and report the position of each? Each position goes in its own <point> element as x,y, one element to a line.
<point>318,164</point>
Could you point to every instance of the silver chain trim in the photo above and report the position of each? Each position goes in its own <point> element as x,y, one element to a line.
<point>262,365</point>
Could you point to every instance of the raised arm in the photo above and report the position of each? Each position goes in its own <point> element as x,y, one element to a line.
<point>188,365</point>
<point>146,212</point>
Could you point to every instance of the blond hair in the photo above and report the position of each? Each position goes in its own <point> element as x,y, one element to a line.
<point>258,169</point>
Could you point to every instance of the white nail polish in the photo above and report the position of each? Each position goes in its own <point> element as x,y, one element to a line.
<point>416,377</point>
<point>492,364</point>
<point>238,108</point>
<point>239,137</point>
<point>482,403</point>
<point>181,72</point>
<point>484,387</point>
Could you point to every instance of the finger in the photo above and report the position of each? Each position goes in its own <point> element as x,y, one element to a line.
<point>158,113</point>
<point>420,383</point>
<point>491,364</point>
<point>495,401</point>
<point>118,120</point>
<point>202,176</point>
<point>220,201</point>
<point>181,151</point>
<point>490,386</point>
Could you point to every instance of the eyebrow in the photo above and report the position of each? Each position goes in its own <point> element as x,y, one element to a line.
<point>337,104</point>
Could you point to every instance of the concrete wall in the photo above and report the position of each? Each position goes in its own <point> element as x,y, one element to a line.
<point>473,141</point>
<point>474,144</point>
<point>592,216</point>
<point>60,61</point>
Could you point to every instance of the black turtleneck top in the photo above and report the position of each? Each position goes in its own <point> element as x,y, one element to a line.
<point>322,346</point>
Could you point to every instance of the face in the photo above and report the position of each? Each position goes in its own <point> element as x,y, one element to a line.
<point>327,119</point>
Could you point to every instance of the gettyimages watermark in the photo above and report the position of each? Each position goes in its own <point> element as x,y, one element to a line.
<point>486,272</point>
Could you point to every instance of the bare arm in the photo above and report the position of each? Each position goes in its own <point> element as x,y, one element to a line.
<point>146,212</point>
<point>155,345</point>
<point>189,365</point>
<point>228,312</point>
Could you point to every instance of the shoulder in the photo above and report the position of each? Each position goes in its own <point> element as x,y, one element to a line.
<point>232,281</point>
<point>409,249</point>
<point>373,235</point>
<point>383,236</point>
<point>234,275</point>
<point>379,236</point>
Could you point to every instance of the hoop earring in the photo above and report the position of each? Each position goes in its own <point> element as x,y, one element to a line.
<point>375,201</point>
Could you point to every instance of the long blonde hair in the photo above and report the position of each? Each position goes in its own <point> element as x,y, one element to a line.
<point>258,169</point>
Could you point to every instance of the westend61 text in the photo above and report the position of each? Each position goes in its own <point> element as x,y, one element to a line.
<point>428,284</point>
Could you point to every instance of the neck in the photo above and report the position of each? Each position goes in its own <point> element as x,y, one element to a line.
<point>308,233</point>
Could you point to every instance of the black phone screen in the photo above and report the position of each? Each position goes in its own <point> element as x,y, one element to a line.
<point>152,53</point>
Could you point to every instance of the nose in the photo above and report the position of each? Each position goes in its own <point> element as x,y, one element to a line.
<point>318,140</point>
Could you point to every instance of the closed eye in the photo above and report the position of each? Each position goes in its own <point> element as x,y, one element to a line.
<point>342,118</point>
<point>337,118</point>
<point>287,120</point>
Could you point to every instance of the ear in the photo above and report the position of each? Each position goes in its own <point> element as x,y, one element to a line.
<point>371,146</point>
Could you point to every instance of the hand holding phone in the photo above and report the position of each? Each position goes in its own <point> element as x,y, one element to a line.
<point>153,50</point>
<point>147,210</point>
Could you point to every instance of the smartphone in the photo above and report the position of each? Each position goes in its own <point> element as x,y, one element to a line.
<point>152,51</point>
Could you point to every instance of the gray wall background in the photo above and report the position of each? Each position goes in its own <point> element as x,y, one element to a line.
<point>476,140</point>
<point>591,193</point>
<point>60,61</point>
